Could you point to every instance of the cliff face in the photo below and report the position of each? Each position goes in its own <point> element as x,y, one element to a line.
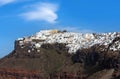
<point>57,60</point>
<point>52,61</point>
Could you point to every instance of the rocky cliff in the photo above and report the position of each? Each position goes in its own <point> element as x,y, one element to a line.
<point>54,54</point>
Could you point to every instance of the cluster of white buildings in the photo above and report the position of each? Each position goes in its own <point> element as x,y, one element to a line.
<point>74,41</point>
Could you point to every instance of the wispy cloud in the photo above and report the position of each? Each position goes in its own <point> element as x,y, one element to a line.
<point>76,29</point>
<point>4,2</point>
<point>42,12</point>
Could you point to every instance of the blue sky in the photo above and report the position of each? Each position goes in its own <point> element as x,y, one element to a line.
<point>19,18</point>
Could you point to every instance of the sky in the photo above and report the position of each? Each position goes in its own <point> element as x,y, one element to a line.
<point>20,18</point>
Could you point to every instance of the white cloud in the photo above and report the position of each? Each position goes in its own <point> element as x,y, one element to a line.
<point>42,12</point>
<point>4,2</point>
<point>87,31</point>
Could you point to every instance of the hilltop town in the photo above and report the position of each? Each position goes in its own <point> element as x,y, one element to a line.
<point>73,41</point>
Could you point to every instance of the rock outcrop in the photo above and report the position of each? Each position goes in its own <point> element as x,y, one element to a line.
<point>54,54</point>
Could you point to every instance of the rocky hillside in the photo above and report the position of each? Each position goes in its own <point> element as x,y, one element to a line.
<point>54,54</point>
